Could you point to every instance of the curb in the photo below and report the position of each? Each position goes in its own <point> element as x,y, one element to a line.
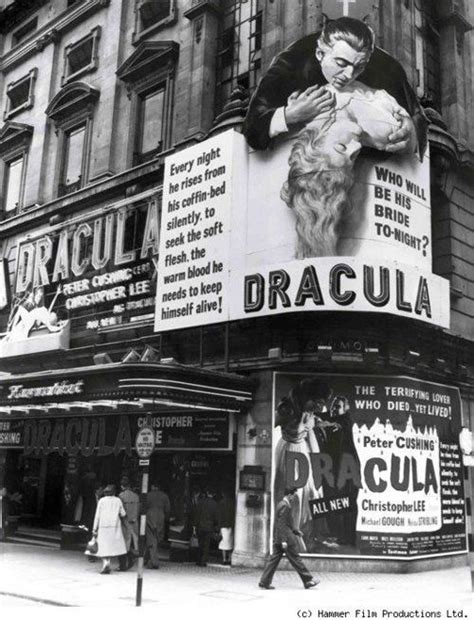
<point>36,599</point>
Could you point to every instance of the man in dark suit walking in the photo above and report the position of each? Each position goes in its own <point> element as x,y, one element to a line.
<point>206,523</point>
<point>285,541</point>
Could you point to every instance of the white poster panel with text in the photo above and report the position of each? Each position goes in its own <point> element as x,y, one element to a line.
<point>201,185</point>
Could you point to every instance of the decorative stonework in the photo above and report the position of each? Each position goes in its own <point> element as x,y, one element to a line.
<point>140,33</point>
<point>199,7</point>
<point>26,85</point>
<point>198,24</point>
<point>14,137</point>
<point>52,31</point>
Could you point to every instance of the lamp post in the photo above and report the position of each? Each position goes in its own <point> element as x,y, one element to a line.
<point>144,444</point>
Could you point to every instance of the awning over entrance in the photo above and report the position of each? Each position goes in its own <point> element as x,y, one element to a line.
<point>120,387</point>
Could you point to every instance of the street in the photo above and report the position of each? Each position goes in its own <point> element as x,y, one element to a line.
<point>32,576</point>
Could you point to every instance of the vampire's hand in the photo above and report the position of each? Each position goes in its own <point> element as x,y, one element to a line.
<point>403,139</point>
<point>305,106</point>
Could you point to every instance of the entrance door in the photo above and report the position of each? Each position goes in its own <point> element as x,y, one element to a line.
<point>53,491</point>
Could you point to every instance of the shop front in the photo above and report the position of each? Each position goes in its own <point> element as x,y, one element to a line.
<point>64,435</point>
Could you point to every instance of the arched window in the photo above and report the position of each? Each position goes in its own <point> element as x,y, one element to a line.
<point>72,111</point>
<point>149,78</point>
<point>15,139</point>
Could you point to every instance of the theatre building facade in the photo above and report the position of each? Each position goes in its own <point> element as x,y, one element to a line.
<point>155,273</point>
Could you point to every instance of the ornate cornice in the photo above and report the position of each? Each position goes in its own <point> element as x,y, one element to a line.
<point>13,14</point>
<point>73,96</point>
<point>445,145</point>
<point>199,7</point>
<point>150,56</point>
<point>14,135</point>
<point>50,32</point>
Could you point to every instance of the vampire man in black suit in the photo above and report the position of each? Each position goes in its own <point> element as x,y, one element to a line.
<point>292,92</point>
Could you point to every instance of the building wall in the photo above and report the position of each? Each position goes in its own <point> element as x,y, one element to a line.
<point>245,347</point>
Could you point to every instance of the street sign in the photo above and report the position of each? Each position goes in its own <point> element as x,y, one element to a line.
<point>145,442</point>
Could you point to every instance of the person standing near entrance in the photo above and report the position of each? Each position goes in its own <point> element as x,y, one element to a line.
<point>108,530</point>
<point>285,541</point>
<point>226,522</point>
<point>157,514</point>
<point>131,503</point>
<point>206,523</point>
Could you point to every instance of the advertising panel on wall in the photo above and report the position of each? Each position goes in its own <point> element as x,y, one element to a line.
<point>234,254</point>
<point>204,188</point>
<point>93,272</point>
<point>327,213</point>
<point>113,434</point>
<point>376,461</point>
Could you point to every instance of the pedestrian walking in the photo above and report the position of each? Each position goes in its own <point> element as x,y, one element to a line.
<point>131,503</point>
<point>226,522</point>
<point>206,523</point>
<point>157,515</point>
<point>285,540</point>
<point>108,530</point>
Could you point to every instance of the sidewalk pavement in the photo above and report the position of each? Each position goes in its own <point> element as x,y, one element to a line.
<point>64,578</point>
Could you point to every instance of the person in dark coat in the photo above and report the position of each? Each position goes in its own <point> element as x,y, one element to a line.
<point>285,541</point>
<point>157,514</point>
<point>206,523</point>
<point>292,92</point>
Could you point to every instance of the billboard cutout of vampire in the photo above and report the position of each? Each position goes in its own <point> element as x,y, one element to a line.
<point>376,463</point>
<point>331,94</point>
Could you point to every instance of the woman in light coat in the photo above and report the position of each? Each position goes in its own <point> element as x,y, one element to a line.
<point>108,529</point>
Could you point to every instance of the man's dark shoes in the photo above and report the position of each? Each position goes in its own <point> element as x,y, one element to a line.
<point>266,586</point>
<point>311,584</point>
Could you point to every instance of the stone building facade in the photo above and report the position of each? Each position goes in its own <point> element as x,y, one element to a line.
<point>95,94</point>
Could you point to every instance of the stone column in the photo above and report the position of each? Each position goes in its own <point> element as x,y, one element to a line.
<point>455,100</point>
<point>195,91</point>
<point>252,524</point>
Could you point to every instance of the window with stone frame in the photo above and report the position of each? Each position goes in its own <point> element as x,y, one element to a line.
<point>13,185</point>
<point>151,15</point>
<point>22,33</point>
<point>20,95</point>
<point>239,48</point>
<point>72,111</point>
<point>81,56</point>
<point>149,78</point>
<point>150,123</point>
<point>15,140</point>
<point>427,52</point>
<point>72,170</point>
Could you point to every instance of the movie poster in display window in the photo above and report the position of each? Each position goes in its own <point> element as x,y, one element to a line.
<point>376,461</point>
<point>329,214</point>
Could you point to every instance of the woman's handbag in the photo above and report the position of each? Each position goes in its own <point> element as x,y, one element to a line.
<point>92,547</point>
